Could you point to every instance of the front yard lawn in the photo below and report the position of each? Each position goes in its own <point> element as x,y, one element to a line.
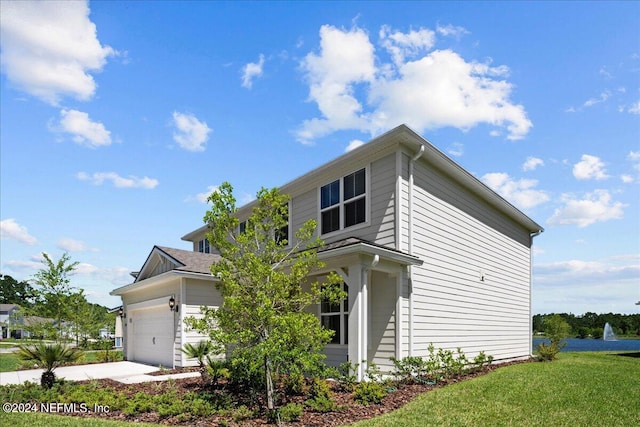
<point>578,389</point>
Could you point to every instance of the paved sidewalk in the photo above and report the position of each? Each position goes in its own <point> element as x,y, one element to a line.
<point>124,372</point>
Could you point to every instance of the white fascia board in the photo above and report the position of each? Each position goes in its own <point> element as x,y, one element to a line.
<point>159,279</point>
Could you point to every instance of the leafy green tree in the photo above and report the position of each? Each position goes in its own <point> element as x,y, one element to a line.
<point>264,280</point>
<point>54,289</point>
<point>14,292</point>
<point>49,356</point>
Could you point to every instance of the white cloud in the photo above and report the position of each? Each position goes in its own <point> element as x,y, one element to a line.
<point>590,167</point>
<point>532,163</point>
<point>251,71</point>
<point>593,101</point>
<point>83,130</point>
<point>345,60</point>
<point>436,89</point>
<point>71,245</point>
<point>580,286</point>
<point>202,197</point>
<point>402,45</point>
<point>49,48</point>
<point>627,179</point>
<point>451,31</point>
<point>98,178</point>
<point>521,193</point>
<point>635,108</point>
<point>456,149</point>
<point>355,143</point>
<point>191,134</point>
<point>10,229</point>
<point>596,206</point>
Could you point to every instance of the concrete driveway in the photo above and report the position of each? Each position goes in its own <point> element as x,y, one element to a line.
<point>124,372</point>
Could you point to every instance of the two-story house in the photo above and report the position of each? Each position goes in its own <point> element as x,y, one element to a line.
<point>428,254</point>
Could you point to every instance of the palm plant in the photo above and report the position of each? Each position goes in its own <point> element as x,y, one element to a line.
<point>199,352</point>
<point>49,356</point>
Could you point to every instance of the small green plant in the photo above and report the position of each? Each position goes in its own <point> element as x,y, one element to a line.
<point>294,384</point>
<point>290,412</point>
<point>368,393</point>
<point>481,361</point>
<point>321,400</point>
<point>49,356</point>
<point>217,369</point>
<point>347,377</point>
<point>241,413</point>
<point>199,351</point>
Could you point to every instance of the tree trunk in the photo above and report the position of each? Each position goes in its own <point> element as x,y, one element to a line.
<point>271,413</point>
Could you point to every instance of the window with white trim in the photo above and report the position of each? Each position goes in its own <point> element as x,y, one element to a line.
<point>336,318</point>
<point>203,246</point>
<point>343,202</point>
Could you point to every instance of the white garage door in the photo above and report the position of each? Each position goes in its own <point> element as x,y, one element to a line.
<point>153,336</point>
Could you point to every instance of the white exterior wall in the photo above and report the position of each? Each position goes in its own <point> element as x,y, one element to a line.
<point>461,241</point>
<point>161,290</point>
<point>197,293</point>
<point>382,320</point>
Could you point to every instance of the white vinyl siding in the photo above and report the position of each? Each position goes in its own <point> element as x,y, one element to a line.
<point>198,293</point>
<point>382,305</point>
<point>461,240</point>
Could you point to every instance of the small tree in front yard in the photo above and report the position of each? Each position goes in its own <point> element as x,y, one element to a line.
<point>264,280</point>
<point>556,329</point>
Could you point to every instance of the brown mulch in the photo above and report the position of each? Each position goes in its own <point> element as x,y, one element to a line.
<point>349,411</point>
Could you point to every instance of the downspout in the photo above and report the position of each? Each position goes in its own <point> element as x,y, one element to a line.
<point>531,236</point>
<point>410,247</point>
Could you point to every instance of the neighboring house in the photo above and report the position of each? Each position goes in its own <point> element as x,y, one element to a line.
<point>8,319</point>
<point>117,335</point>
<point>16,325</point>
<point>428,254</point>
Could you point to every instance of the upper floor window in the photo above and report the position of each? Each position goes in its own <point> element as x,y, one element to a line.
<point>203,246</point>
<point>343,202</point>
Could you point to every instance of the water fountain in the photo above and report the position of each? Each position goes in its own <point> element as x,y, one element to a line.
<point>608,334</point>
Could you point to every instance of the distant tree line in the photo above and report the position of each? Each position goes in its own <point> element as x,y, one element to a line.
<point>50,308</point>
<point>591,325</point>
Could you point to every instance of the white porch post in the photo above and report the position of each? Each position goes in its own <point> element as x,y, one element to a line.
<point>357,347</point>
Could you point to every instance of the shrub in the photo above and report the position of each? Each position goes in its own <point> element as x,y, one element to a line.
<point>408,369</point>
<point>346,376</point>
<point>547,352</point>
<point>556,329</point>
<point>369,393</point>
<point>320,393</point>
<point>294,384</point>
<point>217,369</point>
<point>290,412</point>
<point>241,413</point>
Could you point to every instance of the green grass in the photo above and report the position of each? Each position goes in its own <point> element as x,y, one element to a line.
<point>45,420</point>
<point>10,362</point>
<point>578,389</point>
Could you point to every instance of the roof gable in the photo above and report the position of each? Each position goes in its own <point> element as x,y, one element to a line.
<point>163,259</point>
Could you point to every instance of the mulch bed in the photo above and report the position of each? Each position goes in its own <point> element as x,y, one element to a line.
<point>350,411</point>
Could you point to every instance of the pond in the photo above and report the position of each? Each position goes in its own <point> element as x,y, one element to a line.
<point>588,344</point>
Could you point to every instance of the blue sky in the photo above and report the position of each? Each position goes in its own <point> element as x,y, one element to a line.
<point>117,118</point>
